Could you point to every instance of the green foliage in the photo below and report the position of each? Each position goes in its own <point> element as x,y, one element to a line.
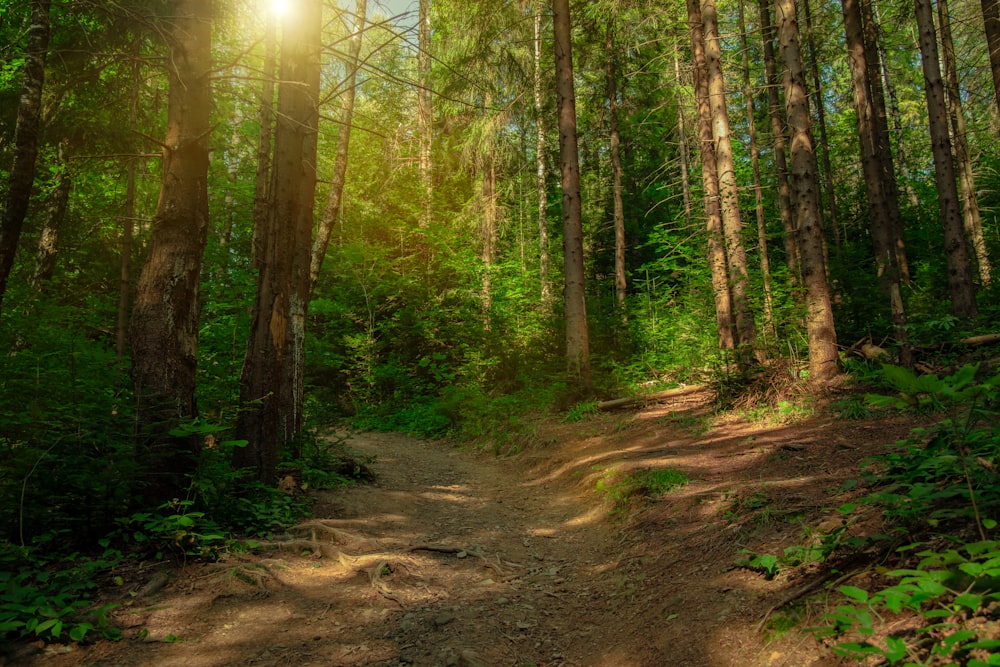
<point>52,597</point>
<point>580,411</point>
<point>952,590</point>
<point>942,476</point>
<point>622,490</point>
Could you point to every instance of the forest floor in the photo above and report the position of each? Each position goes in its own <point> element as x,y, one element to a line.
<point>456,557</point>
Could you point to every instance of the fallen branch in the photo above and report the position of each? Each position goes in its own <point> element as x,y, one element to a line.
<point>647,399</point>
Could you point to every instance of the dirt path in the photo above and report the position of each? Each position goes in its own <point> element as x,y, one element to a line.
<point>459,558</point>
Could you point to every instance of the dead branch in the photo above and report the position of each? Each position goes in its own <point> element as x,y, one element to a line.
<point>647,399</point>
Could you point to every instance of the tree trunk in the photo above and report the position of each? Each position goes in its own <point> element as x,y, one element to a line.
<point>128,224</point>
<point>621,283</point>
<point>966,179</point>
<point>805,178</point>
<point>880,125</point>
<point>831,195</point>
<point>543,225</point>
<point>424,109</point>
<point>724,317</point>
<point>778,137</point>
<point>48,241</point>
<point>960,286</point>
<point>488,231</point>
<point>732,223</point>
<point>748,96</point>
<point>265,137</point>
<point>879,202</point>
<point>991,21</point>
<point>271,385</point>
<point>577,339</point>
<point>29,110</point>
<point>682,143</point>
<point>331,214</point>
<point>164,326</point>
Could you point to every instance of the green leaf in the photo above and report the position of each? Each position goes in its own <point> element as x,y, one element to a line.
<point>79,632</point>
<point>970,600</point>
<point>895,649</point>
<point>859,594</point>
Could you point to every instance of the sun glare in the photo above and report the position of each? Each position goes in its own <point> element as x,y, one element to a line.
<point>280,7</point>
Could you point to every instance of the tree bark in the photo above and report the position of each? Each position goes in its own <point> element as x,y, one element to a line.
<point>824,143</point>
<point>991,21</point>
<point>732,223</point>
<point>805,178</point>
<point>331,214</point>
<point>425,109</point>
<point>577,338</point>
<point>960,286</point>
<point>966,179</point>
<point>272,383</point>
<point>880,125</point>
<point>879,201</point>
<point>778,138</point>
<point>128,224</point>
<point>621,281</point>
<point>724,317</point>
<point>165,318</point>
<point>29,111</point>
<point>682,143</point>
<point>55,214</point>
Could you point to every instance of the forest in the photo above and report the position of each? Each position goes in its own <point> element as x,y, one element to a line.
<point>229,225</point>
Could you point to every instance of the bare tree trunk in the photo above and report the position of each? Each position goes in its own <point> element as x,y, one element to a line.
<point>824,143</point>
<point>164,326</point>
<point>621,283</point>
<point>960,286</point>
<point>991,21</point>
<point>425,109</point>
<point>29,111</point>
<point>883,147</point>
<point>543,225</point>
<point>879,203</point>
<point>724,317</point>
<point>748,96</point>
<point>805,177</point>
<point>732,223</point>
<point>331,214</point>
<point>271,385</point>
<point>682,142</point>
<point>577,338</point>
<point>55,214</point>
<point>966,179</point>
<point>488,232</point>
<point>265,136</point>
<point>128,224</point>
<point>778,137</point>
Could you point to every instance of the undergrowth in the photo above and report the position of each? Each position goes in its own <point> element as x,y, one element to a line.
<point>934,592</point>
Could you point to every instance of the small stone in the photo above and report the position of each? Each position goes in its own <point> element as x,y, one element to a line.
<point>442,620</point>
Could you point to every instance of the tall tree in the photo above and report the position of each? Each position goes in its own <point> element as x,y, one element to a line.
<point>805,179</point>
<point>778,139</point>
<point>963,160</point>
<point>425,109</point>
<point>331,214</point>
<point>577,338</point>
<point>960,285</point>
<point>540,169</point>
<point>732,223</point>
<point>880,201</point>
<point>272,381</point>
<point>748,97</point>
<point>29,112</point>
<point>48,241</point>
<point>165,317</point>
<point>724,318</point>
<point>265,139</point>
<point>611,77</point>
<point>991,24</point>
